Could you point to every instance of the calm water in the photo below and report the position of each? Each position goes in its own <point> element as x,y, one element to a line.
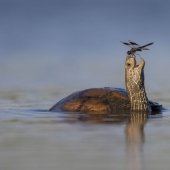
<point>49,49</point>
<point>33,138</point>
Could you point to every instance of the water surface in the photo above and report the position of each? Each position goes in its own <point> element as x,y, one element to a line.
<point>33,138</point>
<point>49,49</point>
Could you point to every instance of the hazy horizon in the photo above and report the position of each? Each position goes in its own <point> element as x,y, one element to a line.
<point>77,43</point>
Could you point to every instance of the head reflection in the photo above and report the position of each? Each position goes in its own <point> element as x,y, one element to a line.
<point>134,131</point>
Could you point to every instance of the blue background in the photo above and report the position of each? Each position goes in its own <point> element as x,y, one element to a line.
<point>76,43</point>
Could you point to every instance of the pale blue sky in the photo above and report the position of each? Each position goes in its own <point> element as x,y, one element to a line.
<point>60,38</point>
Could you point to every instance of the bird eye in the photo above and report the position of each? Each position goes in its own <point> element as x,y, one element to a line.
<point>128,64</point>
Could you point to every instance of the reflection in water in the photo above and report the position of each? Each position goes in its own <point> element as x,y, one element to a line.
<point>135,138</point>
<point>61,141</point>
<point>113,118</point>
<point>134,132</point>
